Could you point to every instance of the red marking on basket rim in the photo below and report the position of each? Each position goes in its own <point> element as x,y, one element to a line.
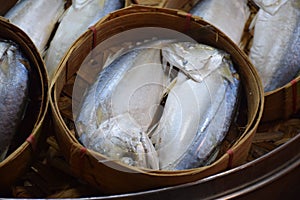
<point>230,153</point>
<point>187,22</point>
<point>294,89</point>
<point>94,30</point>
<point>31,140</point>
<point>82,152</point>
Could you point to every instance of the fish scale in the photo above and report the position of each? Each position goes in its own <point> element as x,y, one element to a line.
<point>207,143</point>
<point>197,114</point>
<point>112,107</point>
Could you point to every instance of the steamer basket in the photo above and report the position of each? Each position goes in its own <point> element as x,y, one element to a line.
<point>85,163</point>
<point>185,5</point>
<point>281,103</point>
<point>24,149</point>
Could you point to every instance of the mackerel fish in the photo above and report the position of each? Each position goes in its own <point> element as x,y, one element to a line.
<point>76,20</point>
<point>199,109</point>
<point>229,16</point>
<point>275,51</point>
<point>14,80</point>
<point>120,106</point>
<point>37,18</point>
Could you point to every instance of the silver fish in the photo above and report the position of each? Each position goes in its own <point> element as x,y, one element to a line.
<point>197,114</point>
<point>37,18</point>
<point>229,16</point>
<point>76,20</point>
<point>270,6</point>
<point>276,45</point>
<point>121,139</point>
<point>132,86</point>
<point>14,79</point>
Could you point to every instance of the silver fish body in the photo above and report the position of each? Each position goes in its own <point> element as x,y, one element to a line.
<point>37,18</point>
<point>76,20</point>
<point>229,16</point>
<point>14,79</point>
<point>197,114</point>
<point>275,51</point>
<point>270,6</point>
<point>129,89</point>
<point>210,136</point>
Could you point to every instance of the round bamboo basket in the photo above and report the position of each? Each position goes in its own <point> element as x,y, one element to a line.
<point>86,164</point>
<point>24,147</point>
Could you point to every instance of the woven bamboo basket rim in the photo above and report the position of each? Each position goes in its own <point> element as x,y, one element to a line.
<point>286,86</point>
<point>38,94</point>
<point>61,78</point>
<point>282,103</point>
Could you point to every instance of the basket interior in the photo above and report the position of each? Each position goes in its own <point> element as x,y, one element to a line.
<point>195,28</point>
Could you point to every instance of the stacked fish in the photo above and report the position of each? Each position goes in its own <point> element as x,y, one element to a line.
<point>275,56</point>
<point>165,105</point>
<point>275,51</point>
<point>14,79</point>
<point>38,19</point>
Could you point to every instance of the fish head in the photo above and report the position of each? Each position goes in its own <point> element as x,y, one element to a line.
<point>196,61</point>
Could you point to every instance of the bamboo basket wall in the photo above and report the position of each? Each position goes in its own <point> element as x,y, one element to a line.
<point>184,5</point>
<point>85,163</point>
<point>18,161</point>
